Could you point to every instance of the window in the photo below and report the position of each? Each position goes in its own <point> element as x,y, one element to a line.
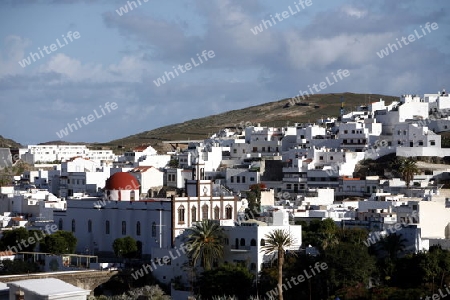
<point>353,131</point>
<point>253,242</point>
<point>345,131</point>
<point>432,143</point>
<point>138,228</point>
<point>331,157</point>
<point>132,195</point>
<point>252,178</point>
<point>420,143</point>
<point>153,229</point>
<point>73,225</point>
<point>262,242</point>
<point>124,228</point>
<point>242,243</point>
<point>243,179</point>
<point>226,241</point>
<point>181,214</point>
<point>194,214</point>
<point>205,212</point>
<point>229,212</point>
<point>232,179</point>
<point>89,226</point>
<point>238,179</point>
<point>107,227</point>
<point>289,186</point>
<point>321,157</point>
<point>234,151</point>
<point>263,149</point>
<point>60,224</point>
<point>216,213</point>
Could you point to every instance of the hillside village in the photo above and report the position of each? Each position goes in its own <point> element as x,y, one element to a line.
<point>303,172</point>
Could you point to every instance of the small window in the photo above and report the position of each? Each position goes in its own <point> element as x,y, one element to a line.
<point>138,228</point>
<point>320,157</point>
<point>242,243</point>
<point>252,178</point>
<point>124,228</point>
<point>73,225</point>
<point>243,179</point>
<point>331,157</point>
<point>194,214</point>
<point>232,179</point>
<point>153,229</point>
<point>229,212</point>
<point>262,242</point>
<point>432,143</point>
<point>181,214</point>
<point>253,242</point>
<point>89,226</point>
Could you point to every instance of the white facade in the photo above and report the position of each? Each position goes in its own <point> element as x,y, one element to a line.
<point>49,153</point>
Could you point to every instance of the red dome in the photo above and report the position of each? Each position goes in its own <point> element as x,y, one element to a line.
<point>122,181</point>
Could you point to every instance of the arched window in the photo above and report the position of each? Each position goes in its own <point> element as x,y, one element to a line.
<point>107,227</point>
<point>263,242</point>
<point>153,229</point>
<point>194,214</point>
<point>216,213</point>
<point>138,228</point>
<point>60,224</point>
<point>132,195</point>
<point>229,212</point>
<point>73,225</point>
<point>242,242</point>
<point>124,228</point>
<point>253,242</point>
<point>205,209</point>
<point>89,226</point>
<point>181,214</point>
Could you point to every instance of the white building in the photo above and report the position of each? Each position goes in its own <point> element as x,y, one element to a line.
<point>45,289</point>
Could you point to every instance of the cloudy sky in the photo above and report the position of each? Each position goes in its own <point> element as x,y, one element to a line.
<point>114,55</point>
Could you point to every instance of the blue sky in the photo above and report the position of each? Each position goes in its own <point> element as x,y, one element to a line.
<point>117,58</point>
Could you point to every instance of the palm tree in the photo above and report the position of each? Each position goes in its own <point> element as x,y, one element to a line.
<point>392,244</point>
<point>408,169</point>
<point>206,241</point>
<point>278,241</point>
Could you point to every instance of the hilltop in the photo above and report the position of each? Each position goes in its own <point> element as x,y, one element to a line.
<point>277,113</point>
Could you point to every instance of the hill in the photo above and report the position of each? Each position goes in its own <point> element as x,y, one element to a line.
<point>277,113</point>
<point>8,143</point>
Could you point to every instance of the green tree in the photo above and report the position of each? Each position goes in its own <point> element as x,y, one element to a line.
<point>392,245</point>
<point>205,243</point>
<point>254,197</point>
<point>278,241</point>
<point>349,265</point>
<point>125,247</point>
<point>228,279</point>
<point>18,238</point>
<point>408,168</point>
<point>60,242</point>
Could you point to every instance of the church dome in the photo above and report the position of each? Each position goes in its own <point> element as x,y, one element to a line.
<point>122,181</point>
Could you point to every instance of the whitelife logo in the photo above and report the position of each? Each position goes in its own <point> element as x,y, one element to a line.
<point>280,17</point>
<point>188,66</point>
<point>411,38</point>
<point>124,9</point>
<point>89,119</point>
<point>53,47</point>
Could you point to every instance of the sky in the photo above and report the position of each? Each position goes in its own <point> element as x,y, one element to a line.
<point>87,70</point>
